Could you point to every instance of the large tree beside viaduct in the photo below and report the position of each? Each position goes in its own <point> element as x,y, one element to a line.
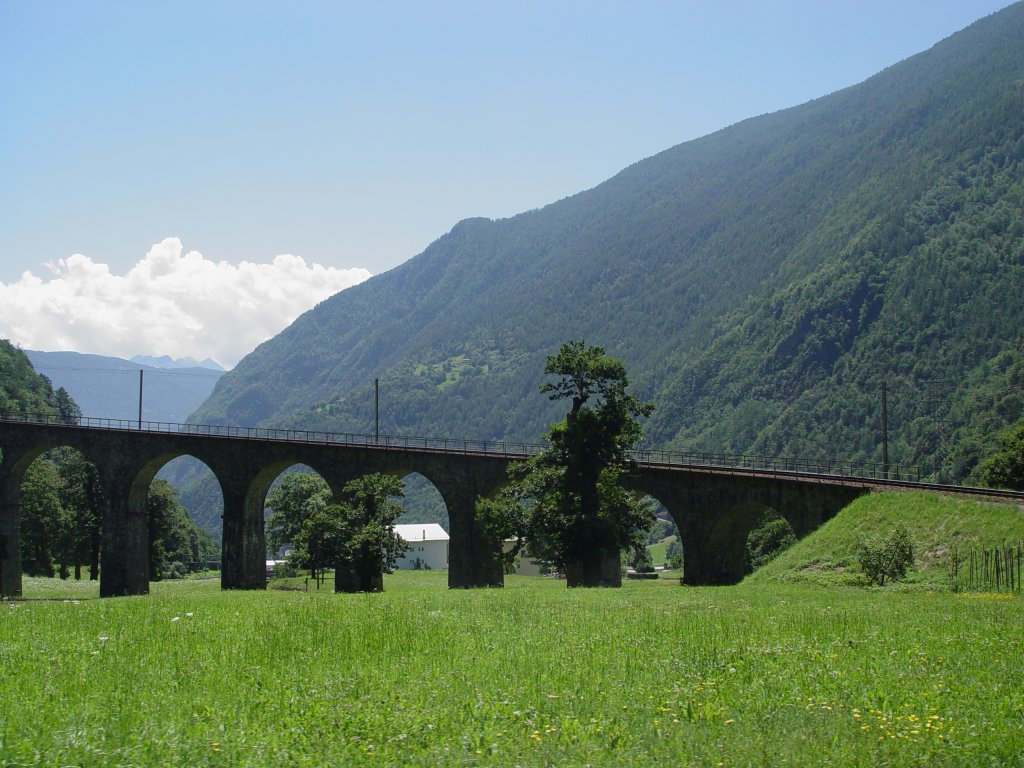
<point>569,500</point>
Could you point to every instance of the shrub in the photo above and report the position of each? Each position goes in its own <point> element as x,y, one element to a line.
<point>285,570</point>
<point>1004,468</point>
<point>771,535</point>
<point>177,570</point>
<point>674,555</point>
<point>640,559</point>
<point>888,557</point>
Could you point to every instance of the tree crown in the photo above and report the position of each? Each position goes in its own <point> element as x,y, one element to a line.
<point>584,372</point>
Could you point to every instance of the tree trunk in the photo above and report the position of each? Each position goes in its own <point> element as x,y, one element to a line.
<point>94,556</point>
<point>600,568</point>
<point>371,581</point>
<point>349,577</point>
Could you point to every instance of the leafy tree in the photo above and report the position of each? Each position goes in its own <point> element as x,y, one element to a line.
<point>368,511</point>
<point>68,409</point>
<point>62,506</point>
<point>640,559</point>
<point>23,392</point>
<point>568,500</point>
<point>886,558</point>
<point>41,517</point>
<point>83,501</point>
<point>674,555</point>
<point>1005,467</point>
<point>356,537</point>
<point>320,540</point>
<point>505,517</point>
<point>291,502</point>
<point>176,546</point>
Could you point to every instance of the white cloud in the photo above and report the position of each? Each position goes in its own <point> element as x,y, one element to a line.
<point>170,303</point>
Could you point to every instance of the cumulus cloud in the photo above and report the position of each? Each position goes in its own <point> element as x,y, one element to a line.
<point>170,303</point>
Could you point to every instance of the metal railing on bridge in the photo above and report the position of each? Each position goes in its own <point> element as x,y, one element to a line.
<point>503,448</point>
<point>737,461</point>
<point>439,444</point>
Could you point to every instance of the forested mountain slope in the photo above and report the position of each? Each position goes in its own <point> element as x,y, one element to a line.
<point>760,284</point>
<point>23,392</point>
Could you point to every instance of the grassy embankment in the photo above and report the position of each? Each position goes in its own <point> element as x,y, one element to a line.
<point>941,527</point>
<point>764,673</point>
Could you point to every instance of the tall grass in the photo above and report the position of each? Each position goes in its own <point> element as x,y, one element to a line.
<point>533,674</point>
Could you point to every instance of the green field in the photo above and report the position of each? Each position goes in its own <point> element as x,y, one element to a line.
<point>765,673</point>
<point>657,551</point>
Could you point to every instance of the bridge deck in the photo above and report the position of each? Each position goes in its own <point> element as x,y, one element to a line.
<point>841,473</point>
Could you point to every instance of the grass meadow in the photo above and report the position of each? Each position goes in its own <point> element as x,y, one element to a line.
<point>533,674</point>
<point>799,665</point>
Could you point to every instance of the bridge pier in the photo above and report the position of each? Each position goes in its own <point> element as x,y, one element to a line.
<point>474,559</point>
<point>714,554</point>
<point>244,544</point>
<point>124,554</point>
<point>10,527</point>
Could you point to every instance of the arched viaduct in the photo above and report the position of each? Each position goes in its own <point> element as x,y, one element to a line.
<point>714,508</point>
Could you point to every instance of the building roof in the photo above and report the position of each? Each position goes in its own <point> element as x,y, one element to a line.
<point>421,532</point>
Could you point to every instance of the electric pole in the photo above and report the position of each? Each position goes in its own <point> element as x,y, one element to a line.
<point>885,435</point>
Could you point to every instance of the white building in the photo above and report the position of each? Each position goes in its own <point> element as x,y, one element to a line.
<point>428,546</point>
<point>525,565</point>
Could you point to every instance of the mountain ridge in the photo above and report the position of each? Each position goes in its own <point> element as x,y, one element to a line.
<point>108,387</point>
<point>787,224</point>
<point>166,361</point>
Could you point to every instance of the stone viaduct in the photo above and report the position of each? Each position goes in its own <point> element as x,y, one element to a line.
<point>714,507</point>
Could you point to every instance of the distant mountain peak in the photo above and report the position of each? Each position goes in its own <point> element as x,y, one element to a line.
<point>166,361</point>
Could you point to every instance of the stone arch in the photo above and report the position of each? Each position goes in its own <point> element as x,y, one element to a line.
<point>423,503</point>
<point>269,478</point>
<point>775,533</point>
<point>684,508</point>
<point>714,512</point>
<point>246,486</point>
<point>15,462</point>
<point>660,512</point>
<point>155,468</point>
<point>727,542</point>
<point>199,488</point>
<point>154,465</point>
<point>423,498</point>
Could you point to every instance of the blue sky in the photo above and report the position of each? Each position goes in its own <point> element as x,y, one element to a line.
<point>352,135</point>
